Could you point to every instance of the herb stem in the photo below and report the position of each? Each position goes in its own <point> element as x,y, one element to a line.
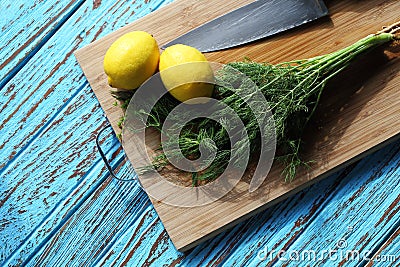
<point>293,90</point>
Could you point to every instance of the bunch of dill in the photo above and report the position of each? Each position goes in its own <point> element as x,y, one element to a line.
<point>292,89</point>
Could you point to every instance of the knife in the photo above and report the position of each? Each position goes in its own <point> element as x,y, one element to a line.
<point>251,22</point>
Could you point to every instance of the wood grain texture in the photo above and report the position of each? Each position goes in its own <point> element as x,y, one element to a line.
<point>64,210</point>
<point>43,109</point>
<point>25,28</point>
<point>341,220</point>
<point>142,241</point>
<point>362,114</point>
<point>389,252</point>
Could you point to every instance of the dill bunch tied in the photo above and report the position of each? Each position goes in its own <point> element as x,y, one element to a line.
<point>292,90</point>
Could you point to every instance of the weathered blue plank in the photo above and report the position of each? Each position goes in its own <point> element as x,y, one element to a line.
<point>25,27</point>
<point>90,231</point>
<point>360,216</point>
<point>277,227</point>
<point>50,116</point>
<point>53,75</point>
<point>58,205</point>
<point>389,252</point>
<point>141,241</point>
<point>52,176</point>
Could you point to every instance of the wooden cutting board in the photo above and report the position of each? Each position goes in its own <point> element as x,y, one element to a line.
<point>359,112</point>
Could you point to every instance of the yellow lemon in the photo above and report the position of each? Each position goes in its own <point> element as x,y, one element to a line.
<point>186,73</point>
<point>131,60</point>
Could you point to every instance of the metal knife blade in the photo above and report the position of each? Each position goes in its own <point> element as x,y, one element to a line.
<point>252,22</point>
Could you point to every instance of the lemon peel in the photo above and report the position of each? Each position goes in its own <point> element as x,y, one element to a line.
<point>186,74</point>
<point>131,60</point>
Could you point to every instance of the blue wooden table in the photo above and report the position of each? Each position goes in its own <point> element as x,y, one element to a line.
<point>59,206</point>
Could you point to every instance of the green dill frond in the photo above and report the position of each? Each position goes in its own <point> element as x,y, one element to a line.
<point>292,90</point>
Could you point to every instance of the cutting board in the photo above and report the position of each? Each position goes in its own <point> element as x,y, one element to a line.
<point>359,111</point>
